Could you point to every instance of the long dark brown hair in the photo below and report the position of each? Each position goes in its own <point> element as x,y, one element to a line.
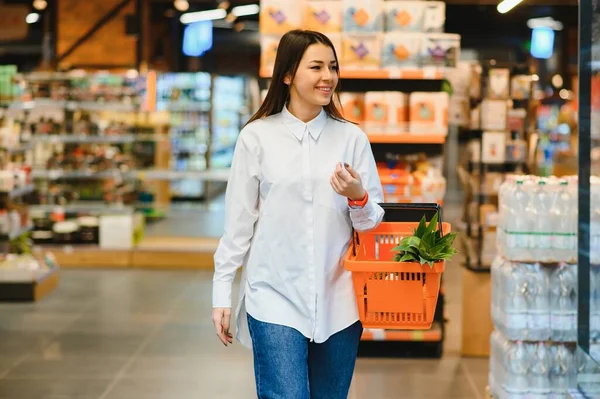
<point>290,51</point>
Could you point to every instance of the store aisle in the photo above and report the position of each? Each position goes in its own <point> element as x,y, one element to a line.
<point>148,335</point>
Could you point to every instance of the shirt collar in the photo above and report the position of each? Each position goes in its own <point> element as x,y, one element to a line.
<point>297,127</point>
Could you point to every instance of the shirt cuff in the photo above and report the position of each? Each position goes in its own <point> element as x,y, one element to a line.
<point>222,294</point>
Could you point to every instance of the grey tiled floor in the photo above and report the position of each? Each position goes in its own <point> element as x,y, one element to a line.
<point>147,334</point>
<point>135,334</point>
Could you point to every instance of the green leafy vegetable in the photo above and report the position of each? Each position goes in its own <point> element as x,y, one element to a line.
<point>426,245</point>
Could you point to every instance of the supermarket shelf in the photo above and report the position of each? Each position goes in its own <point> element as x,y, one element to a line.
<point>55,174</point>
<point>85,206</point>
<point>19,192</point>
<point>432,335</point>
<point>121,138</point>
<point>426,73</point>
<point>21,148</point>
<point>72,105</point>
<point>406,138</point>
<point>16,234</point>
<point>27,291</point>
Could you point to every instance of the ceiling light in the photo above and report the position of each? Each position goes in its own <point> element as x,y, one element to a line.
<point>32,18</point>
<point>40,4</point>
<point>250,9</point>
<point>181,5</point>
<point>547,22</point>
<point>564,94</point>
<point>507,5</point>
<point>191,17</point>
<point>535,78</point>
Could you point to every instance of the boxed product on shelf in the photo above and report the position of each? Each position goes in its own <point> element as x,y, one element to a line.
<point>493,147</point>
<point>336,40</point>
<point>22,268</point>
<point>353,106</point>
<point>401,50</point>
<point>268,52</point>
<point>361,52</point>
<point>280,16</point>
<point>429,113</point>
<point>494,114</point>
<point>365,16</point>
<point>520,87</point>
<point>498,84</point>
<point>434,16</point>
<point>459,111</point>
<point>377,112</point>
<point>440,49</point>
<point>323,16</point>
<point>404,15</point>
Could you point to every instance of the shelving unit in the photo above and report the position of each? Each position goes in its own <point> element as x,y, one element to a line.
<point>19,283</point>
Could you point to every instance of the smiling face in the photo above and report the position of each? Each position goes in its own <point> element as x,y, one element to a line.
<point>315,80</point>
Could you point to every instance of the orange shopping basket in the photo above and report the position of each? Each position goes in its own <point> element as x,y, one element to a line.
<point>389,294</point>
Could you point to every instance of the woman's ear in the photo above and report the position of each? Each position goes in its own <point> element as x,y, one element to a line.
<point>287,80</point>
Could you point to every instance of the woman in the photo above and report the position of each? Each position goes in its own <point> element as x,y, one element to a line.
<point>302,177</point>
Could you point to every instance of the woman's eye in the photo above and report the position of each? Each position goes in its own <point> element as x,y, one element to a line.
<point>334,68</point>
<point>316,67</point>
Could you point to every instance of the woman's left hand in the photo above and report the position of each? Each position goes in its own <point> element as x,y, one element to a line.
<point>346,182</point>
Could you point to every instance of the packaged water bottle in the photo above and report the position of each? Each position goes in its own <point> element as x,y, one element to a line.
<point>538,302</point>
<point>518,231</point>
<point>563,299</point>
<point>540,364</point>
<point>539,209</point>
<point>505,192</point>
<point>518,379</point>
<point>516,285</point>
<point>497,293</point>
<point>564,239</point>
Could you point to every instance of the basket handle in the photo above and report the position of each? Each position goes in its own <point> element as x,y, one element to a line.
<point>355,241</point>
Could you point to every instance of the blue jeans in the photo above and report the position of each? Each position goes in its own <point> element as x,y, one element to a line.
<point>288,366</point>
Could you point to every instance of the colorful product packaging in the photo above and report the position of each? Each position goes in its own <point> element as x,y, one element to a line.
<point>280,16</point>
<point>268,52</point>
<point>323,16</point>
<point>401,50</point>
<point>434,16</point>
<point>361,52</point>
<point>429,113</point>
<point>404,16</point>
<point>363,16</point>
<point>440,50</point>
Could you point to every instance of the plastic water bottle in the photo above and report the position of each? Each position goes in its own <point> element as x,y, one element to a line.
<point>540,364</point>
<point>497,291</point>
<point>517,381</point>
<point>564,220</point>
<point>518,233</point>
<point>516,285</point>
<point>504,195</point>
<point>538,302</point>
<point>563,299</point>
<point>539,211</point>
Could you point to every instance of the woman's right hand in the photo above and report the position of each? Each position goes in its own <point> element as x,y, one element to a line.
<point>221,318</point>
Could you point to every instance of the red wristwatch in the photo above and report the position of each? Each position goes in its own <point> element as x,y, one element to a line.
<point>360,203</point>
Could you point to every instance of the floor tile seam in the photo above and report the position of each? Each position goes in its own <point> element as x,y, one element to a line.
<point>56,334</point>
<point>470,380</point>
<point>119,376</point>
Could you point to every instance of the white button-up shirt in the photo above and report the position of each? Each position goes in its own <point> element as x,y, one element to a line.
<point>288,227</point>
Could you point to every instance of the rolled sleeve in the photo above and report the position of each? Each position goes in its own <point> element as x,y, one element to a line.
<point>372,213</point>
